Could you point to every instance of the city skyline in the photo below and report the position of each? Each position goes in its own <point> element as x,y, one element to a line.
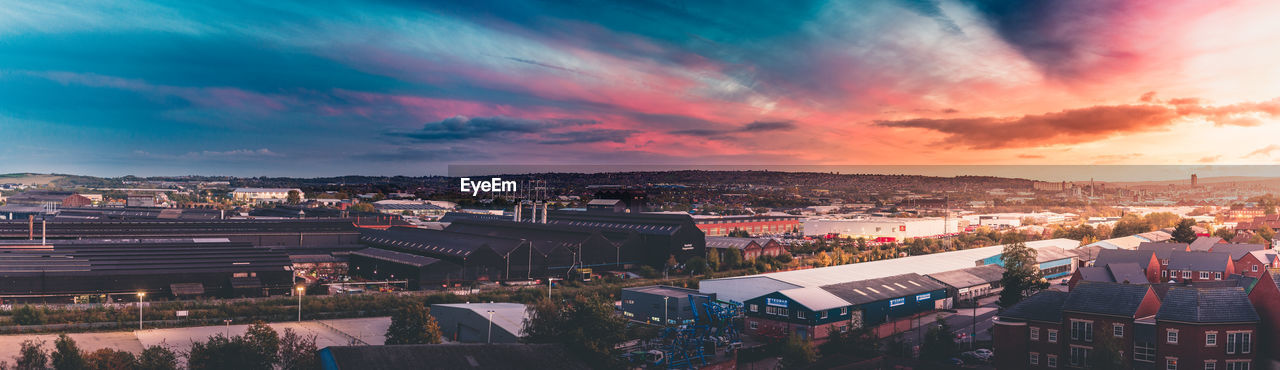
<point>388,88</point>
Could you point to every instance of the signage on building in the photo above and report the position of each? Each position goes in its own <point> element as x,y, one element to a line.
<point>923,297</point>
<point>775,302</point>
<point>897,302</point>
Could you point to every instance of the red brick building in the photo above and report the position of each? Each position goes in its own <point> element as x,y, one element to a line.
<point>1206,328</point>
<point>750,247</point>
<point>1199,266</point>
<point>754,225</point>
<point>1146,260</point>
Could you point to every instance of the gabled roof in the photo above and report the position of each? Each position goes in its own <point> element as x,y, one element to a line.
<point>1207,305</point>
<point>1163,250</point>
<point>725,242</point>
<point>1205,243</point>
<point>1124,273</point>
<point>1199,261</point>
<point>1267,256</point>
<point>1237,250</point>
<point>397,257</point>
<point>435,242</point>
<point>815,299</point>
<point>874,290</point>
<point>1101,298</point>
<point>1049,254</point>
<point>1087,253</point>
<point>1110,256</point>
<point>1045,306</point>
<point>969,277</point>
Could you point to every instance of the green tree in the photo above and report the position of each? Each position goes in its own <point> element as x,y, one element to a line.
<point>413,324</point>
<point>66,355</point>
<point>586,327</point>
<point>938,344</point>
<point>361,208</point>
<point>1021,276</point>
<point>857,343</point>
<point>264,341</point>
<point>732,259</point>
<point>107,358</point>
<point>739,233</point>
<point>294,197</point>
<point>1183,233</point>
<point>157,358</point>
<point>713,259</point>
<point>1106,354</point>
<point>696,265</point>
<point>1130,225</point>
<point>798,353</point>
<point>1224,233</point>
<point>1160,220</point>
<point>28,315</point>
<point>298,352</point>
<point>1267,234</point>
<point>31,355</point>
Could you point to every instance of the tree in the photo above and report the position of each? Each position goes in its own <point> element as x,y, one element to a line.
<point>31,355</point>
<point>797,353</point>
<point>157,358</point>
<point>413,324</point>
<point>587,327</point>
<point>221,352</point>
<point>298,352</point>
<point>732,259</point>
<point>1106,354</point>
<point>938,344</point>
<point>1021,274</point>
<point>1183,233</point>
<point>739,233</point>
<point>27,315</point>
<point>1267,234</point>
<point>1130,225</point>
<point>108,358</point>
<point>858,343</point>
<point>1224,233</point>
<point>696,265</point>
<point>264,341</point>
<point>294,197</point>
<point>713,259</point>
<point>66,355</point>
<point>361,208</point>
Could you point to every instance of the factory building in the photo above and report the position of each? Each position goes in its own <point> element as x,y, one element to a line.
<point>814,313</point>
<point>882,228</point>
<point>176,267</point>
<point>750,247</point>
<point>481,322</point>
<point>261,233</point>
<point>265,195</point>
<point>659,303</point>
<point>419,271</point>
<point>754,225</point>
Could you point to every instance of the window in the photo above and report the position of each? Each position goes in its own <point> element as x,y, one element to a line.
<point>1079,355</point>
<point>1164,273</point>
<point>1210,365</point>
<point>755,308</point>
<point>1082,330</point>
<point>1051,360</point>
<point>1238,342</point>
<point>844,311</point>
<point>1035,358</point>
<point>777,311</point>
<point>1117,330</point>
<point>1144,352</point>
<point>1217,276</point>
<point>1204,275</point>
<point>1254,268</point>
<point>1211,339</point>
<point>755,325</point>
<point>799,314</point>
<point>1171,363</point>
<point>1238,365</point>
<point>1171,336</point>
<point>1035,334</point>
<point>824,315</point>
<point>1186,274</point>
<point>1053,335</point>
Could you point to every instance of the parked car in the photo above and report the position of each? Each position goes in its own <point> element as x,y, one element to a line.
<point>983,353</point>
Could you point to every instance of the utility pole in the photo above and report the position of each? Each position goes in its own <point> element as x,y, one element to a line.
<point>140,296</point>
<point>973,333</point>
<point>299,291</point>
<point>665,318</point>
<point>490,338</point>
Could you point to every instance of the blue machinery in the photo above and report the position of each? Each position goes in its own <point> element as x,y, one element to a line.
<point>691,346</point>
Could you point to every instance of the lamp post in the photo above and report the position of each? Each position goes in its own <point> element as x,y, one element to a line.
<point>300,289</point>
<point>228,331</point>
<point>489,340</point>
<point>140,296</point>
<point>665,319</point>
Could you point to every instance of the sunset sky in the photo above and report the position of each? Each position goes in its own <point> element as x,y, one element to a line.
<point>381,88</point>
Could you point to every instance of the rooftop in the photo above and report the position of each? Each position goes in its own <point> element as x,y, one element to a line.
<point>1207,305</point>
<point>1045,306</point>
<point>1106,298</point>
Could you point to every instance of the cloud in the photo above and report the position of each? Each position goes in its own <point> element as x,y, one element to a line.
<point>1210,159</point>
<point>461,128</point>
<point>1074,126</point>
<point>1148,97</point>
<point>1030,156</point>
<point>1264,151</point>
<point>213,155</point>
<point>750,128</point>
<point>585,137</point>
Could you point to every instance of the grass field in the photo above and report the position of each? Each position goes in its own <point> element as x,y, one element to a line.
<point>28,178</point>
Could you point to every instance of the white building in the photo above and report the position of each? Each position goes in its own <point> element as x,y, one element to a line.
<point>264,194</point>
<point>882,227</point>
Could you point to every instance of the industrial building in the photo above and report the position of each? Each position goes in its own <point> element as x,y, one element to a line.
<point>265,195</point>
<point>261,233</point>
<point>481,322</point>
<point>419,271</point>
<point>659,303</point>
<point>814,313</point>
<point>883,229</point>
<point>177,267</point>
<point>750,247</point>
<point>969,284</point>
<point>754,225</point>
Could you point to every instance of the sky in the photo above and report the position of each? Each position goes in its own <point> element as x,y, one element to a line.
<point>284,88</point>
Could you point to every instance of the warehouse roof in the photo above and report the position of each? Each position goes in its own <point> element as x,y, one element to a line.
<point>508,316</point>
<point>664,290</point>
<point>972,276</point>
<point>726,242</point>
<point>1207,305</point>
<point>436,242</point>
<point>751,286</point>
<point>397,257</point>
<point>874,290</point>
<point>815,299</point>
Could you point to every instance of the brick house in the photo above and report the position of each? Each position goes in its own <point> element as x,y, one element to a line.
<point>1059,330</point>
<point>1146,260</point>
<point>1255,263</point>
<point>1265,297</point>
<point>1199,266</point>
<point>1032,326</point>
<point>750,247</point>
<point>1163,250</point>
<point>1204,328</point>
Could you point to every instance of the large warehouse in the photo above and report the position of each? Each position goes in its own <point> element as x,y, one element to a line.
<point>187,267</point>
<point>882,228</point>
<point>262,233</point>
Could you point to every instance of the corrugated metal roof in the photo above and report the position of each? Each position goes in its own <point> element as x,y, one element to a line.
<point>815,299</point>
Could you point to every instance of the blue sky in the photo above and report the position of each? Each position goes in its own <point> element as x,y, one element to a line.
<point>287,88</point>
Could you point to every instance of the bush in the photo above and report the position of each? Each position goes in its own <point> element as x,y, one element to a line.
<point>27,315</point>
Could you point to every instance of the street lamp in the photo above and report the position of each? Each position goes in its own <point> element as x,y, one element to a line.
<point>665,319</point>
<point>490,339</point>
<point>228,331</point>
<point>140,296</point>
<point>300,289</point>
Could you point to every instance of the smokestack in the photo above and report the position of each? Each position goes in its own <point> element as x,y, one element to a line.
<point>31,227</point>
<point>44,226</point>
<point>544,212</point>
<point>519,205</point>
